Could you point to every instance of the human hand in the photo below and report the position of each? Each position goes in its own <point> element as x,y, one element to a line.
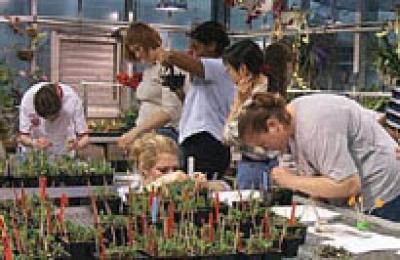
<point>245,86</point>
<point>398,153</point>
<point>41,143</point>
<point>172,177</point>
<point>126,139</point>
<point>199,177</point>
<point>72,145</point>
<point>280,175</point>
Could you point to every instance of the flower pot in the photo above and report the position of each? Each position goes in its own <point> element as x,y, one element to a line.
<point>76,180</point>
<point>290,246</point>
<point>270,255</point>
<point>298,230</point>
<point>55,180</point>
<point>121,235</point>
<point>81,250</point>
<point>114,203</point>
<point>96,180</point>
<point>282,197</point>
<point>5,181</point>
<point>19,182</point>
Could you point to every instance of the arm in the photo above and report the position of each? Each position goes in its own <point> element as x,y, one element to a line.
<point>40,143</point>
<point>82,141</point>
<point>158,119</point>
<point>81,128</point>
<point>182,60</point>
<point>26,140</point>
<point>317,186</point>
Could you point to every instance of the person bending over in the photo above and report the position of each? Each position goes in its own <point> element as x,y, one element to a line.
<point>339,149</point>
<point>51,119</point>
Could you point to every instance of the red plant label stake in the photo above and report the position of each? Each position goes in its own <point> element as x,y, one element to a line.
<point>130,231</point>
<point>292,220</point>
<point>216,207</point>
<point>144,224</point>
<point>96,219</point>
<point>211,227</point>
<point>171,219</point>
<point>267,233</point>
<point>7,252</point>
<point>42,187</point>
<point>48,220</point>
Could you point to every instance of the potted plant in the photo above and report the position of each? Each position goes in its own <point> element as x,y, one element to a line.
<point>388,55</point>
<point>108,201</point>
<point>81,240</point>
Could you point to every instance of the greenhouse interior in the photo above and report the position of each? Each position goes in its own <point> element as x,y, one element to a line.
<point>200,129</point>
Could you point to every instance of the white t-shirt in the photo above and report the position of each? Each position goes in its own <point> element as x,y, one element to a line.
<point>70,123</point>
<point>208,101</point>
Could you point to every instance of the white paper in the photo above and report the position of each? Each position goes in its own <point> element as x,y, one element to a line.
<point>306,213</point>
<point>228,197</point>
<point>355,241</point>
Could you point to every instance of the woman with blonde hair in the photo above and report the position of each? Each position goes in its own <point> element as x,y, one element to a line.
<point>156,158</point>
<point>155,155</point>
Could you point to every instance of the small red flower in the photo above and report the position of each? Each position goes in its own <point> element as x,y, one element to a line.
<point>132,82</point>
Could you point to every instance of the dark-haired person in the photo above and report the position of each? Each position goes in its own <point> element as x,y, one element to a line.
<point>340,150</point>
<point>252,73</point>
<point>208,101</point>
<point>51,118</point>
<point>160,108</point>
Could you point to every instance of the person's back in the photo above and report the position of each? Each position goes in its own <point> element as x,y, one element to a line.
<point>338,138</point>
<point>208,101</point>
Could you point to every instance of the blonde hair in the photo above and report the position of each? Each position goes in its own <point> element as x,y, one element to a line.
<point>144,152</point>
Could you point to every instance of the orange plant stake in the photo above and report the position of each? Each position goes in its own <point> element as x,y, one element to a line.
<point>292,220</point>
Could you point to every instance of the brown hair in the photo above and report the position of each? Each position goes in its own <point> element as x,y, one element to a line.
<point>276,56</point>
<point>262,107</point>
<point>145,150</point>
<point>47,101</point>
<point>143,35</point>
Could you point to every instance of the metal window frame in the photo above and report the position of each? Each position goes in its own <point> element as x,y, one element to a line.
<point>56,40</point>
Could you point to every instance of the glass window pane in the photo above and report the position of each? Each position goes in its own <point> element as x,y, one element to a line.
<point>14,7</point>
<point>103,9</point>
<point>67,8</point>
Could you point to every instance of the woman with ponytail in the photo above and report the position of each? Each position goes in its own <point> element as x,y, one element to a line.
<point>247,67</point>
<point>339,150</point>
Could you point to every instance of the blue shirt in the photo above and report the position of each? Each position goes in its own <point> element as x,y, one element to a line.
<point>208,101</point>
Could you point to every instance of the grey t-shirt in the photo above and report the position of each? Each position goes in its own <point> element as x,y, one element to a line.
<point>336,137</point>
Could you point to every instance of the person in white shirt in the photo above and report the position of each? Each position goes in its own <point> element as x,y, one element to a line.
<point>160,108</point>
<point>207,102</point>
<point>51,119</point>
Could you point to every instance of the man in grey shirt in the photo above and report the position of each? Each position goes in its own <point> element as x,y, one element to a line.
<point>340,149</point>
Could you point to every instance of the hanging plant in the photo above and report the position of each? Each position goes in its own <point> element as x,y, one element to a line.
<point>388,55</point>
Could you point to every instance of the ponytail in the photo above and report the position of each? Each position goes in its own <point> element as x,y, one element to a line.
<point>262,107</point>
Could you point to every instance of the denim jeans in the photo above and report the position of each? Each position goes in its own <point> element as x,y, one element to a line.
<point>389,211</point>
<point>254,174</point>
<point>168,132</point>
